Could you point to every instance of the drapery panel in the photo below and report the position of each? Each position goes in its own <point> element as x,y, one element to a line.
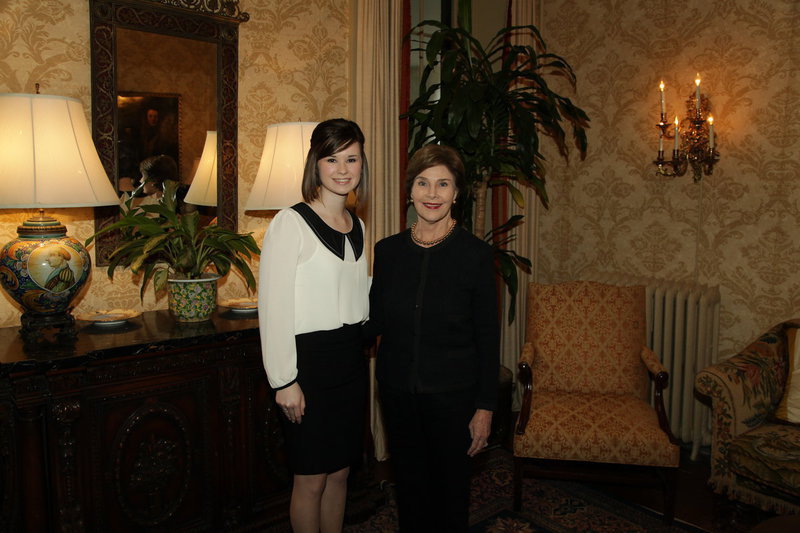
<point>375,105</point>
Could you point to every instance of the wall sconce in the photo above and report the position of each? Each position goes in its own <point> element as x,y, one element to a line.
<point>47,159</point>
<point>280,172</point>
<point>693,139</point>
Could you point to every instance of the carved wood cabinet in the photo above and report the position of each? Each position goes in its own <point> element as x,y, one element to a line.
<point>148,426</point>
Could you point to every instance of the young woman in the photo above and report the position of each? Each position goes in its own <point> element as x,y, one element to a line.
<point>433,302</point>
<point>312,300</point>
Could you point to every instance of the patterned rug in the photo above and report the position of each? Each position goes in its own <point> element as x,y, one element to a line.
<point>547,507</point>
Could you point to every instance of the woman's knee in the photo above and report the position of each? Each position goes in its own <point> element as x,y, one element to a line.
<point>310,485</point>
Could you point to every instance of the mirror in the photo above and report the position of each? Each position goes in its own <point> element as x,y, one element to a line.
<point>130,80</point>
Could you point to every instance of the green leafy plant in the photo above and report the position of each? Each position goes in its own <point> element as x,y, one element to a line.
<point>161,243</point>
<point>494,105</point>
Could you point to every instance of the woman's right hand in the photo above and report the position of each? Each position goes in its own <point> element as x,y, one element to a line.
<point>292,402</point>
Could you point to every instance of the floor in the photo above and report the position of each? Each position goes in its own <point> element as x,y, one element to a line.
<point>695,503</point>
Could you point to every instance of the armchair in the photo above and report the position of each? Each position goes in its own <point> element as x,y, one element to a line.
<point>586,373</point>
<point>755,459</point>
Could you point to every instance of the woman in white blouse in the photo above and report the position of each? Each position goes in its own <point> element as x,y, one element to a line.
<point>312,300</point>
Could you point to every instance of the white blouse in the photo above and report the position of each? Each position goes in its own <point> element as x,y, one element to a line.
<point>305,286</point>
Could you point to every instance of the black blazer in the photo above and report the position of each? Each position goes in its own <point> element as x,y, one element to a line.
<point>436,311</point>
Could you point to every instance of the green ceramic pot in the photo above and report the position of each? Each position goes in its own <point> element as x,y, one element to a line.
<point>192,300</point>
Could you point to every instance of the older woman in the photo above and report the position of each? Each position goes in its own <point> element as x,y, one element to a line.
<point>433,302</point>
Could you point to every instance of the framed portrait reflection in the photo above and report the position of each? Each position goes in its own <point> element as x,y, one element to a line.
<point>148,125</point>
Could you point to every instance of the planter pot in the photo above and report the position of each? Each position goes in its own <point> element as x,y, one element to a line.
<point>192,300</point>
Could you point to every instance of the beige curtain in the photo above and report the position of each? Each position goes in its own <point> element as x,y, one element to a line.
<point>375,106</point>
<point>512,336</point>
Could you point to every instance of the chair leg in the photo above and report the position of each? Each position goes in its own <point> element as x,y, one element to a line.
<point>669,484</point>
<point>517,503</point>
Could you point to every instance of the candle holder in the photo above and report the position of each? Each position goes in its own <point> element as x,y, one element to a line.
<point>695,148</point>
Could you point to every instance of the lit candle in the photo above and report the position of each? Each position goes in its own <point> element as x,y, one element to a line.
<point>663,108</point>
<point>677,135</point>
<point>711,133</point>
<point>697,93</point>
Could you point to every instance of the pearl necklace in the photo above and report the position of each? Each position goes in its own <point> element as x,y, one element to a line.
<point>434,242</point>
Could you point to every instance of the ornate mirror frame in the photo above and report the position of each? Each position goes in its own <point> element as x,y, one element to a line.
<point>215,21</point>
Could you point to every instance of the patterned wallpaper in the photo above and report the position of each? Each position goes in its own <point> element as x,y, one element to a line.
<point>293,63</point>
<point>738,228</point>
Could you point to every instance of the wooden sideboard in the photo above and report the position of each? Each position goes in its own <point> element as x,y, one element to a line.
<point>153,425</point>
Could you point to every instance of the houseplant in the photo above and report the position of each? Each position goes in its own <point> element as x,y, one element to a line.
<point>171,248</point>
<point>494,105</point>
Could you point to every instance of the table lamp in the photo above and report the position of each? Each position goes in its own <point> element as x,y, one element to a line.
<point>280,172</point>
<point>47,159</point>
<point>203,190</point>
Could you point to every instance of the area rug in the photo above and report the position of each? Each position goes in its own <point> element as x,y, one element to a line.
<point>547,507</point>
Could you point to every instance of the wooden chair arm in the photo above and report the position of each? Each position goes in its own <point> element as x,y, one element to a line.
<point>660,376</point>
<point>525,376</point>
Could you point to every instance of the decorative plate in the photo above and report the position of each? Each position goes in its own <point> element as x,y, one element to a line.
<point>241,305</point>
<point>109,317</point>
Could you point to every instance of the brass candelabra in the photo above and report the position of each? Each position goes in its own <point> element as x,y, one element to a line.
<point>693,139</point>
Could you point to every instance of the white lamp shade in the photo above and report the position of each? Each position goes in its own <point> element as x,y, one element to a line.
<point>203,190</point>
<point>280,172</point>
<point>47,157</point>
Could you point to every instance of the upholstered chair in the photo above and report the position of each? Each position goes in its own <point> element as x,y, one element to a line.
<point>755,455</point>
<point>586,375</point>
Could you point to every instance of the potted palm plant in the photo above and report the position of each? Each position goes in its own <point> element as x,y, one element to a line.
<point>178,253</point>
<point>494,105</point>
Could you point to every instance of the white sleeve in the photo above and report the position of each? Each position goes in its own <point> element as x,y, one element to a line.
<point>276,299</point>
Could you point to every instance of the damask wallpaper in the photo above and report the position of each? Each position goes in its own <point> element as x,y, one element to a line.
<point>737,228</point>
<point>293,63</point>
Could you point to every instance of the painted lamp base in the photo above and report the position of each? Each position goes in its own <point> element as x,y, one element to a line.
<point>44,269</point>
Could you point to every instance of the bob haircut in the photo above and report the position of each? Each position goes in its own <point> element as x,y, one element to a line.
<point>328,138</point>
<point>432,155</point>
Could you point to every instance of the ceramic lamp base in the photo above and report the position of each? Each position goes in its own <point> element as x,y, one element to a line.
<point>43,269</point>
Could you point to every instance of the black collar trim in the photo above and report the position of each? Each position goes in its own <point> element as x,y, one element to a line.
<point>332,239</point>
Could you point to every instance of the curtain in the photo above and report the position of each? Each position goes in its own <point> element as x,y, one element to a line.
<point>375,105</point>
<point>513,335</point>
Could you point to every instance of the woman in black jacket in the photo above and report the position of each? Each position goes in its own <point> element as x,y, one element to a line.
<point>433,301</point>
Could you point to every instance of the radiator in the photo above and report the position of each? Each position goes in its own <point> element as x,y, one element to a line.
<point>683,329</point>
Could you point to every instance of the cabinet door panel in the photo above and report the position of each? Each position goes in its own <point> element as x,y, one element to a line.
<point>152,462</point>
<point>9,488</point>
<point>269,475</point>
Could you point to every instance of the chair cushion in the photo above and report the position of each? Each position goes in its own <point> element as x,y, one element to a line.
<point>769,455</point>
<point>603,428</point>
<point>789,408</point>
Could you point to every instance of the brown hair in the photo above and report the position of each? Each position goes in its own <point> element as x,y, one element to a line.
<point>328,138</point>
<point>432,155</point>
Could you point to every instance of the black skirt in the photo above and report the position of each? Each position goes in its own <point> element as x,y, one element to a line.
<point>331,371</point>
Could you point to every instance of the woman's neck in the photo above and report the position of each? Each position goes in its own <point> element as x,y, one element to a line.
<point>428,234</point>
<point>333,210</point>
